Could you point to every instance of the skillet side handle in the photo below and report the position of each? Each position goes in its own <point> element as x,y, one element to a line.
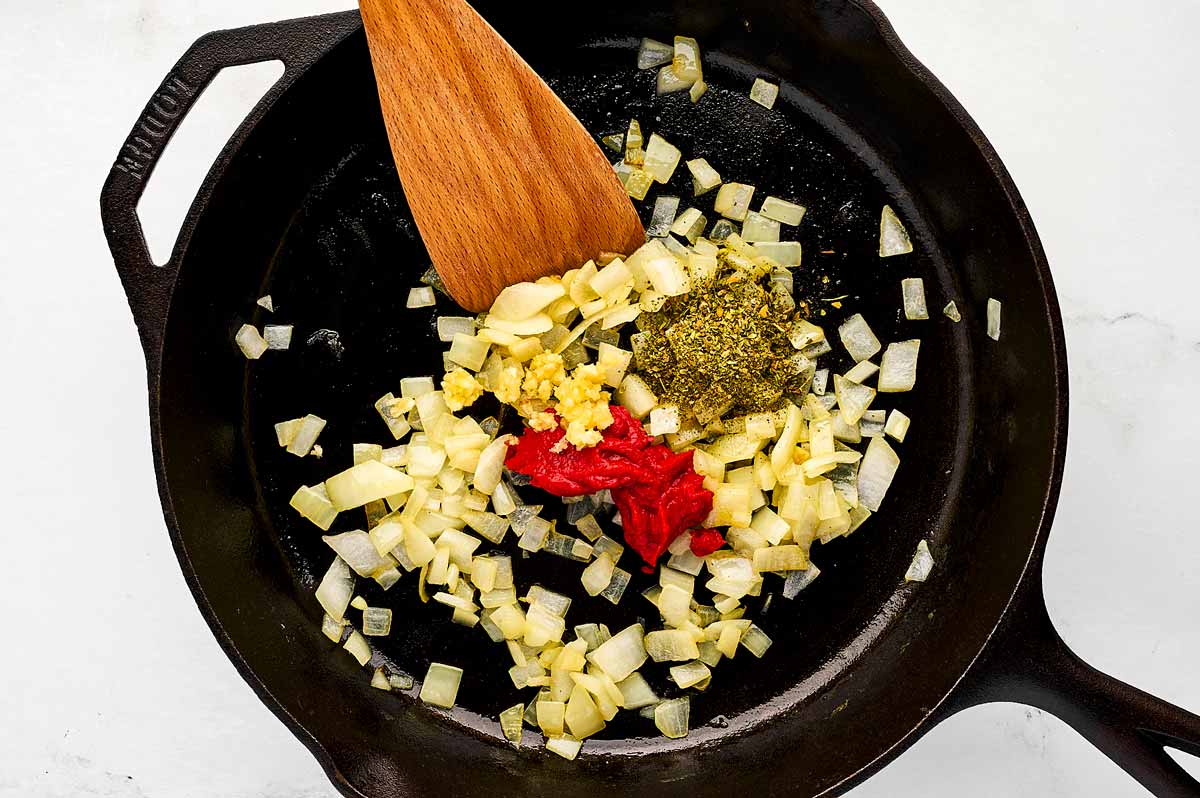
<point>298,44</point>
<point>1027,662</point>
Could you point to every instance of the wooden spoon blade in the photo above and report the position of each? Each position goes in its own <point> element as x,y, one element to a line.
<point>504,182</point>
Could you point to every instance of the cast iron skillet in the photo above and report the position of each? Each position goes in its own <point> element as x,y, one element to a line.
<point>304,204</point>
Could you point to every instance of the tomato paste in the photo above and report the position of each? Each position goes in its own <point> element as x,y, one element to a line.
<point>656,490</point>
<point>705,541</point>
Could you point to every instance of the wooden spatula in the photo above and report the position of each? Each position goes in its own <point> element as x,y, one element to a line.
<point>503,181</point>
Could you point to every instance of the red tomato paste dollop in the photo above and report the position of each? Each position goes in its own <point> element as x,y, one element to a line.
<point>656,490</point>
<point>705,541</point>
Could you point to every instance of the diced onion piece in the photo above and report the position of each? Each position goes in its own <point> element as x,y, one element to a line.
<point>671,717</point>
<point>799,580</point>
<point>893,238</point>
<point>912,290</point>
<point>661,158</point>
<point>898,369</point>
<point>285,431</point>
<point>666,273</point>
<point>489,525</point>
<point>689,224</point>
<point>306,435</point>
<point>663,217</point>
<point>674,603</point>
<point>698,90</point>
<point>922,564</point>
<point>366,482</point>
<point>857,337</point>
<point>951,312</point>
<point>615,142</point>
<point>664,420</point>
<point>511,723</point>
<point>759,228</point>
<point>421,297</point>
<point>755,641</point>
<point>622,654</point>
<point>668,81</point>
<point>897,425</point>
<point>377,621</point>
<point>671,645</point>
<point>278,336</point>
<point>614,361</point>
<point>853,398</point>
<point>609,279</point>
<point>767,523</point>
<point>689,674</point>
<point>534,325</point>
<point>266,302</point>
<point>686,59</point>
<point>582,715</point>
<point>778,559</point>
<point>314,504</point>
<point>566,746</point>
<point>449,326</point>
<point>550,717</point>
<point>332,628</point>
<point>597,575</point>
<point>764,93</point>
<point>469,351</point>
<point>654,53</point>
<point>525,300</point>
<point>993,319</point>
<point>704,177</point>
<point>336,589</point>
<point>250,342</point>
<point>635,396</point>
<point>636,692</point>
<point>440,687</point>
<point>875,473</point>
<point>356,550</point>
<point>861,372</point>
<point>620,581</point>
<point>358,647</point>
<point>363,452</point>
<point>782,211</point>
<point>491,465</point>
<point>733,200</point>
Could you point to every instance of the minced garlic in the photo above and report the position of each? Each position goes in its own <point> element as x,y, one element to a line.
<point>544,373</point>
<point>460,389</point>
<point>583,405</point>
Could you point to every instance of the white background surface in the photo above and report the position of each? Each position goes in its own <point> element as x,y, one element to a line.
<point>113,685</point>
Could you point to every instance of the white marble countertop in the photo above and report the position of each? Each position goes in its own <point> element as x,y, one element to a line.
<point>113,685</point>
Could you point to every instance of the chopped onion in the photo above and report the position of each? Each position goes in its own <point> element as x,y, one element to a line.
<point>671,717</point>
<point>799,580</point>
<point>377,621</point>
<point>733,200</point>
<point>491,465</point>
<point>654,53</point>
<point>550,717</point>
<point>689,224</point>
<point>510,723</point>
<point>770,526</point>
<point>661,158</point>
<point>552,602</point>
<point>861,372</point>
<point>266,302</point>
<point>421,297</point>
<point>872,423</point>
<point>853,398</point>
<point>636,692</point>
<point>358,647</point>
<point>663,217</point>
<point>875,473</point>
<point>356,550</point>
<point>951,312</point>
<point>620,581</point>
<point>764,93</point>
<point>820,382</point>
<point>922,564</point>
<point>893,238</point>
<point>912,290</point>
<point>449,326</point>
<point>566,746</point>
<point>898,369</point>
<point>250,342</point>
<point>785,253</point>
<point>993,319</point>
<point>780,559</point>
<point>366,482</point>
<point>400,681</point>
<point>597,575</point>
<point>278,336</point>
<point>440,687</point>
<point>525,300</point>
<point>614,141</point>
<point>698,90</point>
<point>664,420</point>
<point>857,337</point>
<point>333,628</point>
<point>755,641</point>
<point>582,715</point>
<point>489,525</point>
<point>306,435</point>
<point>671,645</point>
<point>897,425</point>
<point>758,228</point>
<point>722,230</point>
<point>314,504</point>
<point>704,177</point>
<point>668,81</point>
<point>690,674</point>
<point>535,535</point>
<point>782,211</point>
<point>635,396</point>
<point>686,58</point>
<point>622,654</point>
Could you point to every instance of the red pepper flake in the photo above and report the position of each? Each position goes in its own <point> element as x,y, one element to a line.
<point>656,490</point>
<point>705,541</point>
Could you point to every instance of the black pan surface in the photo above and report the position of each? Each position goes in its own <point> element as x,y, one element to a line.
<point>305,205</point>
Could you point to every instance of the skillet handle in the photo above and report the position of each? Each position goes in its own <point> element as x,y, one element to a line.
<point>1027,662</point>
<point>298,44</point>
